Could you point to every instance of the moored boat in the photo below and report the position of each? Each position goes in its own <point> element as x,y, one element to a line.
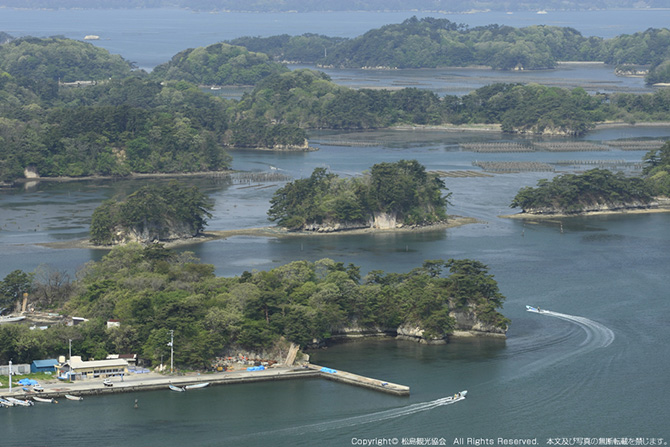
<point>176,388</point>
<point>11,319</point>
<point>71,397</point>
<point>45,400</point>
<point>21,402</point>
<point>6,403</point>
<point>196,386</point>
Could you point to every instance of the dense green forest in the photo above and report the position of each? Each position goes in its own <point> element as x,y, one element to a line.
<point>152,213</point>
<point>574,193</point>
<point>657,170</point>
<point>115,126</point>
<point>132,124</point>
<point>309,99</point>
<point>403,191</point>
<point>60,59</point>
<point>153,290</point>
<point>591,190</point>
<point>430,43</point>
<point>308,48</point>
<point>218,64</point>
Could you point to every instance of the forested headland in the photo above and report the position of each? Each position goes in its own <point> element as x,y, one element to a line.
<point>389,195</point>
<point>599,189</point>
<point>152,290</point>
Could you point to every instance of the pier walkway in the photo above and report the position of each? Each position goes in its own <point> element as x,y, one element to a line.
<point>154,381</point>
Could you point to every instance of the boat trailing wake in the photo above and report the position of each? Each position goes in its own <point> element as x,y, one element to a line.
<point>597,335</point>
<point>364,418</point>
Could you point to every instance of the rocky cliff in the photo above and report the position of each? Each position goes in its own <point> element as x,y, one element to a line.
<point>467,325</point>
<point>149,233</point>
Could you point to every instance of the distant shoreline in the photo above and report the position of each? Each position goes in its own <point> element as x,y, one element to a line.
<point>277,232</point>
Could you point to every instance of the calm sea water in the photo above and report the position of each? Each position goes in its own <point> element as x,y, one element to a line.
<point>597,370</point>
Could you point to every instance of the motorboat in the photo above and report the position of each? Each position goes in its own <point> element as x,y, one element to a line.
<point>534,309</point>
<point>45,400</point>
<point>196,386</point>
<point>12,319</point>
<point>6,403</point>
<point>21,402</point>
<point>71,397</point>
<point>176,388</point>
<point>458,396</point>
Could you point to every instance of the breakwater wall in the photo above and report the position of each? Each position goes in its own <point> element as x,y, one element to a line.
<point>361,381</point>
<point>95,387</point>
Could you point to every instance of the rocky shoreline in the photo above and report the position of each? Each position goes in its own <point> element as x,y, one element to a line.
<point>453,222</point>
<point>662,205</point>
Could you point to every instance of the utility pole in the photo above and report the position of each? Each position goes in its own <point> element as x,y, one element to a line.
<point>10,376</point>
<point>171,351</point>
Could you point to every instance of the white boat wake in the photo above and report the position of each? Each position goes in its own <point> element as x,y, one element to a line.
<point>363,419</point>
<point>597,335</point>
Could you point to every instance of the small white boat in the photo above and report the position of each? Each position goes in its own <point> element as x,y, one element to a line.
<point>196,386</point>
<point>23,403</point>
<point>71,397</point>
<point>176,388</point>
<point>458,396</point>
<point>45,400</point>
<point>6,403</point>
<point>91,37</point>
<point>11,319</point>
<point>533,309</point>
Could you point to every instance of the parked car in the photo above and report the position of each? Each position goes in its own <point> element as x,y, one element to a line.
<point>107,382</point>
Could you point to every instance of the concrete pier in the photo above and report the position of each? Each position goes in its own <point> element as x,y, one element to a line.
<point>152,381</point>
<point>362,381</point>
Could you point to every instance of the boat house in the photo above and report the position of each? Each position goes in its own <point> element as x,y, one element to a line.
<point>48,365</point>
<point>78,369</point>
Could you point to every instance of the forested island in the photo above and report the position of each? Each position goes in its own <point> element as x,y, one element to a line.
<point>113,120</point>
<point>152,290</point>
<point>599,190</point>
<point>151,214</point>
<point>390,195</point>
<point>431,43</point>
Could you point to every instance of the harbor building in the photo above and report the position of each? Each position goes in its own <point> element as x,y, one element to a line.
<point>77,369</point>
<point>48,365</point>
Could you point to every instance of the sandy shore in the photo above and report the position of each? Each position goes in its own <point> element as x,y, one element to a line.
<point>454,221</point>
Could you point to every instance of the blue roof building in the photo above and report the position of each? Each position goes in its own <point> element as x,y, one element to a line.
<point>48,365</point>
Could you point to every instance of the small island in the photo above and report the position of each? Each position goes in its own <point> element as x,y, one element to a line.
<point>600,191</point>
<point>595,190</point>
<point>390,195</point>
<point>151,214</point>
